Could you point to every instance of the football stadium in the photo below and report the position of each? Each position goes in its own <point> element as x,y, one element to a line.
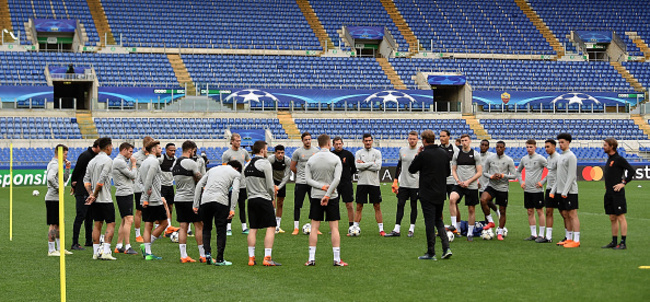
<point>125,125</point>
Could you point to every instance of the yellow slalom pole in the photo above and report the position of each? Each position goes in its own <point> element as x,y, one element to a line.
<point>11,192</point>
<point>62,224</point>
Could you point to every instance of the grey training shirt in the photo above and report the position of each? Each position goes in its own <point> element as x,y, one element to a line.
<point>534,165</point>
<point>503,165</point>
<point>466,172</point>
<point>150,177</point>
<point>240,155</point>
<point>139,157</point>
<point>281,175</point>
<point>324,168</point>
<point>551,165</point>
<point>369,169</point>
<point>301,156</point>
<point>99,171</point>
<point>484,181</point>
<point>406,179</point>
<point>185,185</point>
<point>123,176</point>
<point>258,187</point>
<point>53,179</point>
<point>566,174</point>
<point>216,184</point>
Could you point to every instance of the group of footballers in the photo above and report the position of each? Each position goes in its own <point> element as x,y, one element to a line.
<point>257,185</point>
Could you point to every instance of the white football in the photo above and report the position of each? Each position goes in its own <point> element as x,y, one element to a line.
<point>487,234</point>
<point>174,237</point>
<point>505,232</point>
<point>306,229</point>
<point>354,231</point>
<point>451,236</point>
<point>36,193</point>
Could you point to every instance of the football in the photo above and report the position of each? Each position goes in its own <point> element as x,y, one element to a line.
<point>487,234</point>
<point>174,237</point>
<point>354,231</point>
<point>505,232</point>
<point>36,193</point>
<point>306,229</point>
<point>451,236</point>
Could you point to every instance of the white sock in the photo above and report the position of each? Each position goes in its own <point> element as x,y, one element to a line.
<point>312,253</point>
<point>278,220</point>
<point>397,228</point>
<point>570,237</point>
<point>412,228</point>
<point>243,227</point>
<point>381,226</point>
<point>147,248</point>
<point>296,224</point>
<point>137,232</point>
<point>541,231</point>
<point>489,218</point>
<point>96,249</point>
<point>533,230</point>
<point>566,233</point>
<point>337,253</point>
<point>51,247</point>
<point>267,252</point>
<point>107,248</point>
<point>127,246</point>
<point>155,226</point>
<point>498,213</point>
<point>453,221</point>
<point>457,226</point>
<point>201,251</point>
<point>356,224</point>
<point>470,231</point>
<point>251,251</point>
<point>576,236</point>
<point>549,233</point>
<point>118,246</point>
<point>183,248</point>
<point>169,223</point>
<point>229,227</point>
<point>153,238</point>
<point>58,244</point>
<point>499,231</point>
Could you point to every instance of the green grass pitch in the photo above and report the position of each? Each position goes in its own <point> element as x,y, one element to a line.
<point>381,269</point>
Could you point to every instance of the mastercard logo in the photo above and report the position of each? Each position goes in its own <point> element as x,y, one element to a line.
<point>592,173</point>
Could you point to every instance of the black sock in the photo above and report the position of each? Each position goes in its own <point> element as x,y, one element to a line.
<point>614,239</point>
<point>351,223</point>
<point>623,239</point>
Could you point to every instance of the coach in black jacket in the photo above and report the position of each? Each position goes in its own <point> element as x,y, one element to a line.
<point>80,193</point>
<point>433,165</point>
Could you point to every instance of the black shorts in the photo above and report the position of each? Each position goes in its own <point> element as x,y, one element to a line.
<point>185,212</point>
<point>569,203</point>
<point>283,191</point>
<point>407,193</point>
<point>615,203</point>
<point>552,203</point>
<point>154,213</point>
<point>124,205</point>
<point>367,193</point>
<point>136,199</point>
<point>168,193</point>
<point>103,212</point>
<point>52,208</point>
<point>533,200</point>
<point>261,214</point>
<point>449,189</point>
<point>330,212</point>
<point>470,195</point>
<point>501,197</point>
<point>346,191</point>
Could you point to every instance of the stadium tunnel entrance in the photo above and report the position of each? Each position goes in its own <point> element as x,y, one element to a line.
<point>72,94</point>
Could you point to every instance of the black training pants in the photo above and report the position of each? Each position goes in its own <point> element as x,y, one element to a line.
<point>432,212</point>
<point>218,212</point>
<point>83,216</point>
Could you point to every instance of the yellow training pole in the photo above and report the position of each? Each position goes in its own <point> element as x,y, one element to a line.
<point>62,224</point>
<point>11,192</point>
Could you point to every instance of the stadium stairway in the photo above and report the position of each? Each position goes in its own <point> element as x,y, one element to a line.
<point>101,22</point>
<point>288,124</point>
<point>627,76</point>
<point>182,74</point>
<point>5,20</point>
<point>476,126</point>
<point>642,123</point>
<point>542,27</point>
<point>391,73</point>
<point>316,25</point>
<point>87,125</point>
<point>643,47</point>
<point>404,28</point>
